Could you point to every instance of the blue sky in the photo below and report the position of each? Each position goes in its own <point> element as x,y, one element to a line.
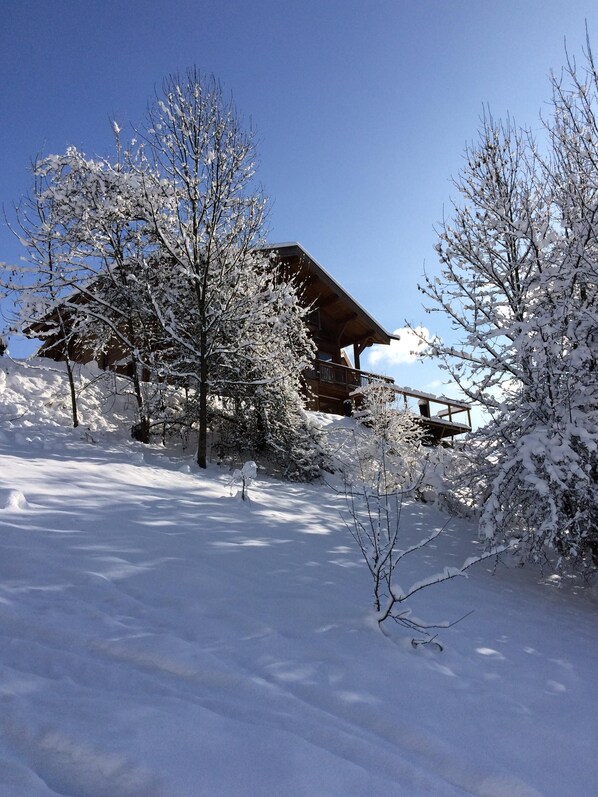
<point>362,109</point>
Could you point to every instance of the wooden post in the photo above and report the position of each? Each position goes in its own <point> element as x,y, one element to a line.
<point>356,354</point>
<point>358,347</point>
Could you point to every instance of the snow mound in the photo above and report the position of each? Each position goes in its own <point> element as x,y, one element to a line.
<point>34,394</point>
<point>13,500</point>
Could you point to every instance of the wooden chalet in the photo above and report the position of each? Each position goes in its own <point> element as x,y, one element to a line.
<point>337,323</point>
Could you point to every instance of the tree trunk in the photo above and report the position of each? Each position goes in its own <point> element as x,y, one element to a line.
<point>73,393</point>
<point>140,430</point>
<point>202,443</point>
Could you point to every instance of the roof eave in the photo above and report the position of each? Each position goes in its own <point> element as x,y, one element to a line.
<point>379,334</point>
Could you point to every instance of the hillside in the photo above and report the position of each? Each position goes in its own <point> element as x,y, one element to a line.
<point>161,638</point>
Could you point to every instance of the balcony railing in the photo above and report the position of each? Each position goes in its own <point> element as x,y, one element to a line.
<point>335,374</point>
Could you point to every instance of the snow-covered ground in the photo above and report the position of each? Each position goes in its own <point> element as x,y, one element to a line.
<point>160,638</point>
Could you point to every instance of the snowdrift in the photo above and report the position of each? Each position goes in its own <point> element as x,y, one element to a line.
<point>159,638</point>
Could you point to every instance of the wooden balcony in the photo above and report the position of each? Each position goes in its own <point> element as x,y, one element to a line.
<point>332,384</point>
<point>443,418</point>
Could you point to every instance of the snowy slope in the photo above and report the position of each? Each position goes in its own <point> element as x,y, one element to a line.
<point>160,638</point>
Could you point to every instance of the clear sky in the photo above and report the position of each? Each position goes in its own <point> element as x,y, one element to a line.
<point>362,109</point>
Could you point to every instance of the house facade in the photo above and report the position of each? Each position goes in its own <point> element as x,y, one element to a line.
<point>336,322</point>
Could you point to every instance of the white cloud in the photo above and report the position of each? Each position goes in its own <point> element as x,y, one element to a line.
<point>400,352</point>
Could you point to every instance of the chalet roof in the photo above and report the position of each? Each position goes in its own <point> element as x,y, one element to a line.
<point>321,289</point>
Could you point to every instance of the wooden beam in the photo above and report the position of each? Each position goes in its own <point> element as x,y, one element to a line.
<point>365,341</point>
<point>330,300</point>
<point>360,345</point>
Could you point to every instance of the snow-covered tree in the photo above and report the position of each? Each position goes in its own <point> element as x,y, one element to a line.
<point>264,412</point>
<point>389,464</point>
<point>40,283</point>
<point>87,299</point>
<point>216,301</point>
<point>389,437</point>
<point>98,202</point>
<point>164,279</point>
<point>518,282</point>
